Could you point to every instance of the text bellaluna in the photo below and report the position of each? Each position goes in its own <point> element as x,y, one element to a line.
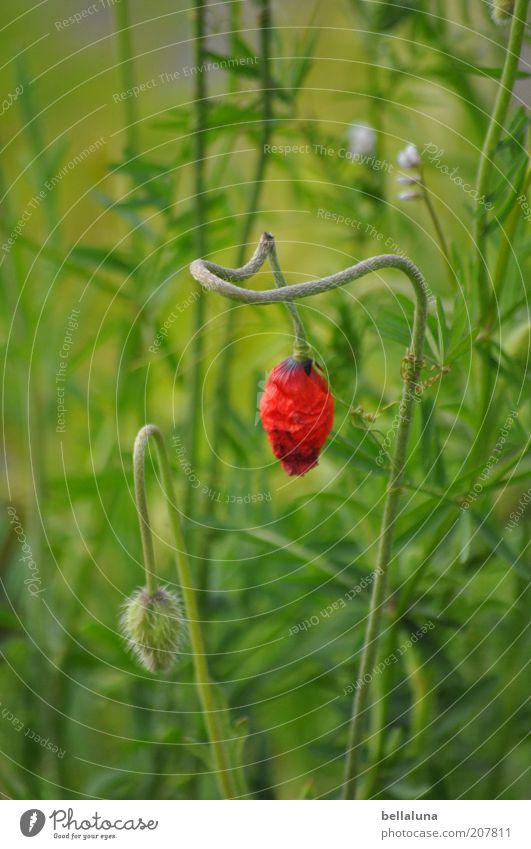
<point>408,815</point>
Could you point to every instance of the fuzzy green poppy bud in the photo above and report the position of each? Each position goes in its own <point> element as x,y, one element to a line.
<point>501,11</point>
<point>153,627</point>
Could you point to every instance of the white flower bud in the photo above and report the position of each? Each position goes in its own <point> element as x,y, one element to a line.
<point>409,157</point>
<point>410,196</point>
<point>362,139</point>
<point>407,180</point>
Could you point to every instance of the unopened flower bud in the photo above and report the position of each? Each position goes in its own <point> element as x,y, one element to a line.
<point>153,627</point>
<point>410,196</point>
<point>409,157</point>
<point>362,139</point>
<point>297,411</point>
<point>501,11</point>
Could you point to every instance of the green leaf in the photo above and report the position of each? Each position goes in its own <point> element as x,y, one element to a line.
<point>298,551</point>
<point>500,545</point>
<point>443,330</point>
<point>359,450</point>
<point>461,333</point>
<point>491,73</point>
<point>301,65</point>
<point>95,258</point>
<point>465,535</point>
<point>432,452</point>
<point>239,65</point>
<point>78,266</point>
<point>420,519</point>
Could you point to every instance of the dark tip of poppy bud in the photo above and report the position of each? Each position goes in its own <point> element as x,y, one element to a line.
<point>291,364</point>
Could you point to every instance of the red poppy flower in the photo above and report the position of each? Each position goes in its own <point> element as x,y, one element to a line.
<point>297,411</point>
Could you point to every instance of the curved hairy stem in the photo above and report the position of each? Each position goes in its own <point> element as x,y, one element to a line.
<point>219,279</point>
<point>202,676</point>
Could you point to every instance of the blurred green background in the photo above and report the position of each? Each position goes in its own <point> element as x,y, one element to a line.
<point>113,197</point>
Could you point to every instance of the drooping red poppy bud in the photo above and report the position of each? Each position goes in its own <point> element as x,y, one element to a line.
<point>297,411</point>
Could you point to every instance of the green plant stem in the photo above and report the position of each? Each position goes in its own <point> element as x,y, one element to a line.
<point>492,138</point>
<point>504,255</point>
<point>198,346</point>
<point>223,391</point>
<point>301,348</point>
<point>139,451</point>
<point>266,28</point>
<point>43,160</point>
<point>218,279</point>
<point>127,79</point>
<point>379,718</point>
<point>439,231</point>
<point>19,305</point>
<point>225,365</point>
<point>124,46</point>
<point>486,165</point>
<point>202,676</point>
<point>369,652</point>
<point>235,27</point>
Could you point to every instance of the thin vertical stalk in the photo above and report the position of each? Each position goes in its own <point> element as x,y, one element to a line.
<point>42,156</point>
<point>14,279</point>
<point>204,683</point>
<point>127,78</point>
<point>200,101</point>
<point>369,651</point>
<point>235,14</point>
<point>225,365</point>
<point>266,28</point>
<point>143,513</point>
<point>379,758</point>
<point>486,165</point>
<point>379,716</point>
<point>23,304</point>
<point>492,139</point>
<point>223,390</point>
<point>504,254</point>
<point>132,148</point>
<point>439,232</point>
<point>142,307</point>
<point>301,348</point>
<point>218,279</point>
